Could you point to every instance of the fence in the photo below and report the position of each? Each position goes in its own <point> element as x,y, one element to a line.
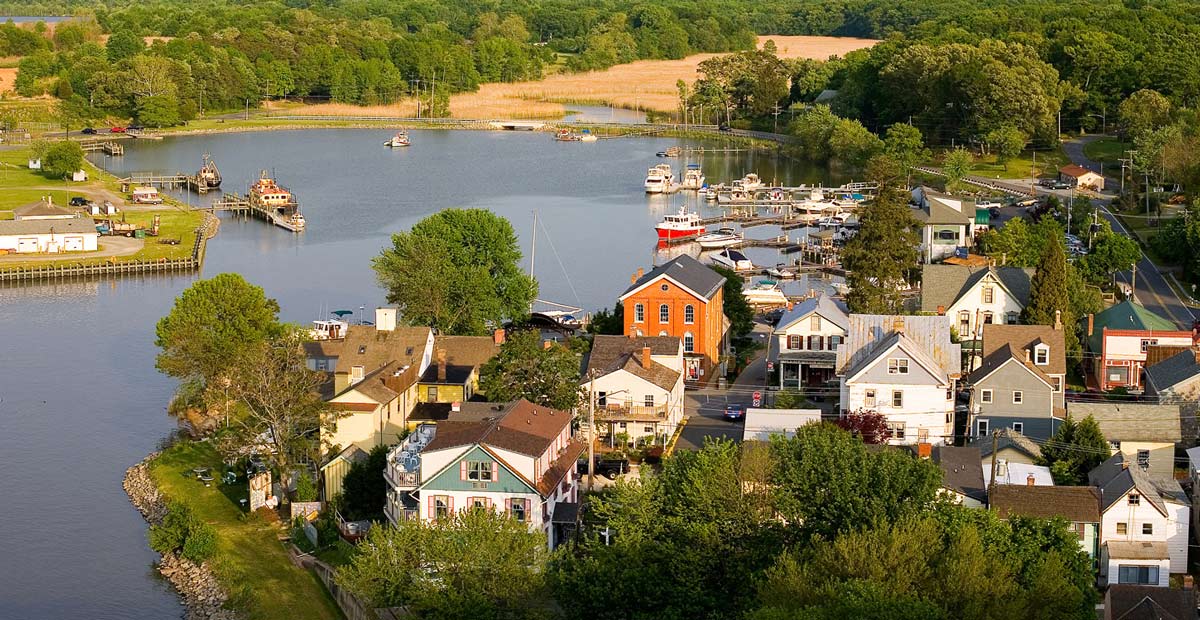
<point>352,606</point>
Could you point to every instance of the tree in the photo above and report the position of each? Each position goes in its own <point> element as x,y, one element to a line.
<point>880,257</point>
<point>608,322</point>
<point>456,271</point>
<point>62,159</point>
<point>524,368</point>
<point>852,144</point>
<point>123,44</point>
<point>869,426</point>
<point>1006,142</point>
<point>1075,449</point>
<point>1049,293</point>
<point>906,145</point>
<point>158,110</point>
<point>1143,112</point>
<point>364,489</point>
<point>735,306</point>
<point>474,563</point>
<point>1110,252</point>
<point>956,165</point>
<point>789,399</point>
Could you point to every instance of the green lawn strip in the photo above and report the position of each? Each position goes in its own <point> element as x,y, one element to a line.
<point>1107,150</point>
<point>1047,163</point>
<point>251,562</point>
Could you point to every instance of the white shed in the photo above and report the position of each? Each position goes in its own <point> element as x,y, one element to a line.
<point>762,423</point>
<point>48,236</point>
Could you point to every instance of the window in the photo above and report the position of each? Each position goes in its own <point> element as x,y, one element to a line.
<point>1122,529</point>
<point>987,318</point>
<point>815,343</point>
<point>897,366</point>
<point>1143,459</point>
<point>869,399</point>
<point>1148,529</point>
<point>356,373</point>
<point>601,399</point>
<point>664,313</point>
<point>639,313</point>
<point>1018,427</point>
<point>947,235</point>
<point>834,341</point>
<point>664,287</point>
<point>814,323</point>
<point>432,394</point>
<point>649,400</point>
<point>649,430</point>
<point>964,322</point>
<point>441,507</point>
<point>1056,383</point>
<point>981,428</point>
<point>321,365</point>
<point>1080,530</point>
<point>516,508</point>
<point>1041,355</point>
<point>795,343</point>
<point>689,342</point>
<point>897,398</point>
<point>478,502</point>
<point>1135,499</point>
<point>989,294</point>
<point>480,471</point>
<point>689,314</point>
<point>1147,343</point>
<point>985,396</point>
<point>1146,575</point>
<point>1012,318</point>
<point>896,429</point>
<point>663,333</point>
<point>1018,397</point>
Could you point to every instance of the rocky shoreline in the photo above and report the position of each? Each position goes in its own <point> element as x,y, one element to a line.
<point>203,597</point>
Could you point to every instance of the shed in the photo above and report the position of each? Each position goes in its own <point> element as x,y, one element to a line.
<point>1081,177</point>
<point>762,423</point>
<point>334,471</point>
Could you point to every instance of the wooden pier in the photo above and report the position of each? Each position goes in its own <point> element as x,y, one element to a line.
<point>241,205</point>
<point>108,147</point>
<point>188,182</point>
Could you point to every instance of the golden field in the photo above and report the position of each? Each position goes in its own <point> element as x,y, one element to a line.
<point>645,84</point>
<point>7,77</point>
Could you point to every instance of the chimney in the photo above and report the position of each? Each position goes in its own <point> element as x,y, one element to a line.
<point>385,319</point>
<point>1189,582</point>
<point>498,337</point>
<point>633,278</point>
<point>441,365</point>
<point>898,325</point>
<point>547,344</point>
<point>455,407</point>
<point>941,310</point>
<point>1058,320</point>
<point>1029,480</point>
<point>1028,356</point>
<point>639,273</point>
<point>790,305</point>
<point>1091,324</point>
<point>645,357</point>
<point>924,450</point>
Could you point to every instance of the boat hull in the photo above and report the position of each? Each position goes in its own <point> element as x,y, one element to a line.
<point>715,244</point>
<point>670,234</point>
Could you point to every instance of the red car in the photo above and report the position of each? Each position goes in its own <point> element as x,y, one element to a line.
<point>117,130</point>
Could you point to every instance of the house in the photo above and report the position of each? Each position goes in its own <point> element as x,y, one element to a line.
<point>1011,447</point>
<point>1144,433</point>
<point>637,385</point>
<point>48,236</point>
<point>44,209</point>
<point>760,424</point>
<point>454,374</point>
<point>681,298</point>
<point>1018,473</point>
<point>1078,505</point>
<point>962,475</point>
<point>1129,602</point>
<point>1019,383</point>
<point>904,367</point>
<point>1143,524</point>
<point>1177,377</point>
<point>972,297</point>
<point>1081,177</point>
<point>947,222</point>
<point>373,373</point>
<point>1118,339</point>
<point>519,460</point>
<point>805,342</point>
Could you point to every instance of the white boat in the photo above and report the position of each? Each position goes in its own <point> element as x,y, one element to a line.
<point>329,329</point>
<point>682,225</point>
<point>718,239</point>
<point>751,182</point>
<point>814,207</point>
<point>659,179</point>
<point>764,293</point>
<point>693,178</point>
<point>732,259</point>
<point>710,193</point>
<point>398,140</point>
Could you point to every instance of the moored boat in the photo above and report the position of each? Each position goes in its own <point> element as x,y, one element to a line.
<point>693,178</point>
<point>565,135</point>
<point>659,179</point>
<point>277,200</point>
<point>398,140</point>
<point>673,151</point>
<point>764,293</point>
<point>718,239</point>
<point>681,225</point>
<point>208,175</point>
<point>751,182</point>
<point>732,259</point>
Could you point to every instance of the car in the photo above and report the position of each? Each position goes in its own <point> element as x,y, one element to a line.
<point>135,128</point>
<point>994,212</point>
<point>723,127</point>
<point>1046,182</point>
<point>1027,203</point>
<point>78,201</point>
<point>89,131</point>
<point>1061,185</point>
<point>608,467</point>
<point>986,204</point>
<point>735,411</point>
<point>117,129</point>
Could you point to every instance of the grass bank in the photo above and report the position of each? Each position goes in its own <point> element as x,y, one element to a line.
<point>251,563</point>
<point>1046,163</point>
<point>1106,150</point>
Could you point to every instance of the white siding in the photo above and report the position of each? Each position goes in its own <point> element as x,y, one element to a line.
<point>925,407</point>
<point>972,302</point>
<point>1171,529</point>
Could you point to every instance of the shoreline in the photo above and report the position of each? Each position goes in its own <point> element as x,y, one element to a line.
<point>200,593</point>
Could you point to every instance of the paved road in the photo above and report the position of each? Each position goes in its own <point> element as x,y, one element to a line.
<point>705,409</point>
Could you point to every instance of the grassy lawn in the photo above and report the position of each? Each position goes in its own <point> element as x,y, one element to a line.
<point>1048,163</point>
<point>1106,150</point>
<point>251,561</point>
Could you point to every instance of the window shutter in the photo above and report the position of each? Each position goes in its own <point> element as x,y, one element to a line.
<point>462,470</point>
<point>450,504</point>
<point>487,502</point>
<point>432,507</point>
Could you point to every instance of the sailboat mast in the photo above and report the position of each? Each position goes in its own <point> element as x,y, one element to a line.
<point>533,251</point>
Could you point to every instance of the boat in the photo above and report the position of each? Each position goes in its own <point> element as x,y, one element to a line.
<point>208,175</point>
<point>693,178</point>
<point>587,136</point>
<point>277,200</point>
<point>778,271</point>
<point>565,135</point>
<point>329,329</point>
<point>751,182</point>
<point>673,151</point>
<point>710,193</point>
<point>398,140</point>
<point>718,239</point>
<point>733,259</point>
<point>146,195</point>
<point>682,225</point>
<point>776,194</point>
<point>764,293</point>
<point>659,179</point>
<point>814,207</point>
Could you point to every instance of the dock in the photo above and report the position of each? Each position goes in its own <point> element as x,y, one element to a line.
<point>188,182</point>
<point>241,205</point>
<point>108,147</point>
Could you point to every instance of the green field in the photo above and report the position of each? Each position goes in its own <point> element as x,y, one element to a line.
<point>252,563</point>
<point>1022,167</point>
<point>1107,150</point>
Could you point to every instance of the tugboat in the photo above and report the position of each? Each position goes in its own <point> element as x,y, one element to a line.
<point>682,225</point>
<point>398,140</point>
<point>278,201</point>
<point>208,175</point>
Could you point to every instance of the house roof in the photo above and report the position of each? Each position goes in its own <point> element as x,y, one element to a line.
<point>455,374</point>
<point>41,208</point>
<point>991,363</point>
<point>926,338</point>
<point>933,210</point>
<point>467,350</point>
<point>1126,315</point>
<point>1076,504</point>
<point>1132,421</point>
<point>1174,370</point>
<point>1114,479</point>
<point>1133,602</point>
<point>527,428</point>
<point>73,226</point>
<point>372,385</point>
<point>1137,550</point>
<point>687,272</point>
<point>1021,337</point>
<point>350,454</point>
<point>366,346</point>
<point>961,470</point>
<point>1019,473</point>
<point>612,353</point>
<point>824,305</point>
<point>1074,170</point>
<point>1008,438</point>
<point>561,466</point>
<point>942,285</point>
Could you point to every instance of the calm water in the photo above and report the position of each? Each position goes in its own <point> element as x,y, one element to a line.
<point>80,399</point>
<point>21,19</point>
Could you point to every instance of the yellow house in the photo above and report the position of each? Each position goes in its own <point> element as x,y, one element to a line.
<point>453,377</point>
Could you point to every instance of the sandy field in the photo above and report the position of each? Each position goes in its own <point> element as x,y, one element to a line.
<point>645,84</point>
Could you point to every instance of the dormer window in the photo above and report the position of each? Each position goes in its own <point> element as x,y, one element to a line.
<point>1041,355</point>
<point>897,366</point>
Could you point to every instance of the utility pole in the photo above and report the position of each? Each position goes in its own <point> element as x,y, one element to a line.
<point>591,431</point>
<point>777,118</point>
<point>992,480</point>
<point>1133,285</point>
<point>1147,177</point>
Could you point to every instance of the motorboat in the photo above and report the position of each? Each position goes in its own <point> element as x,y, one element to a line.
<point>751,182</point>
<point>776,194</point>
<point>565,135</point>
<point>693,178</point>
<point>733,259</point>
<point>814,207</point>
<point>329,329</point>
<point>673,151</point>
<point>681,225</point>
<point>778,271</point>
<point>208,175</point>
<point>587,136</point>
<point>659,179</point>
<point>718,239</point>
<point>278,201</point>
<point>764,293</point>
<point>398,140</point>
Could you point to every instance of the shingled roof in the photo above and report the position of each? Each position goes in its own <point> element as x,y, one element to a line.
<point>1132,421</point>
<point>1076,504</point>
<point>42,209</point>
<point>612,353</point>
<point>1136,602</point>
<point>685,271</point>
<point>72,226</point>
<point>519,426</point>
<point>942,285</point>
<point>1009,438</point>
<point>961,470</point>
<point>1002,356</point>
<point>467,350</point>
<point>1174,370</point>
<point>868,335</point>
<point>823,305</point>
<point>1022,337</point>
<point>1114,479</point>
<point>366,346</point>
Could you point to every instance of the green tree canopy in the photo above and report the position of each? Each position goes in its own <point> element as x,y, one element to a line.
<point>1075,449</point>
<point>956,165</point>
<point>1143,112</point>
<point>881,255</point>
<point>1049,292</point>
<point>62,159</point>
<point>525,368</point>
<point>1006,142</point>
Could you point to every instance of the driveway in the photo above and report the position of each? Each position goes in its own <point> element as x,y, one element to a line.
<point>705,409</point>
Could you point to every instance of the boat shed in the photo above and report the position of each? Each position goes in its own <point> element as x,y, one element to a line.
<point>48,236</point>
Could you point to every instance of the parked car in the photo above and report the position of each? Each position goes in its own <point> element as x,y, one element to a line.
<point>986,204</point>
<point>735,411</point>
<point>723,127</point>
<point>135,128</point>
<point>1046,182</point>
<point>994,211</point>
<point>1061,185</point>
<point>78,201</point>
<point>608,467</point>
<point>1028,203</point>
<point>89,131</point>
<point>117,130</point>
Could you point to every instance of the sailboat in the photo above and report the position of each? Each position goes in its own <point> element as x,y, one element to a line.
<point>565,315</point>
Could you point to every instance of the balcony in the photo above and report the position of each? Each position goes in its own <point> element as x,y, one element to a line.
<point>396,511</point>
<point>400,476</point>
<point>404,461</point>
<point>627,411</point>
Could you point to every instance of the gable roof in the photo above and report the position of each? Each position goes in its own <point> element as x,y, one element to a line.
<point>366,346</point>
<point>1021,337</point>
<point>373,385</point>
<point>455,375</point>
<point>926,338</point>
<point>931,208</point>
<point>72,226</point>
<point>942,285</point>
<point>612,353</point>
<point>1133,602</point>
<point>527,428</point>
<point>1074,170</point>
<point>961,470</point>
<point>999,358</point>
<point>41,208</point>
<point>686,272</point>
<point>1115,479</point>
<point>1076,504</point>
<point>1132,421</point>
<point>1174,370</point>
<point>1008,438</point>
<point>467,350</point>
<point>1126,315</point>
<point>824,305</point>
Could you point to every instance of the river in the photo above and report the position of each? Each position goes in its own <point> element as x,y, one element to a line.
<point>80,399</point>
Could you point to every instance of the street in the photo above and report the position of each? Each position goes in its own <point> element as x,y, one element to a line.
<point>705,408</point>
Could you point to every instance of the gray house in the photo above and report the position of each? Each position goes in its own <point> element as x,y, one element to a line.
<point>1019,385</point>
<point>1175,378</point>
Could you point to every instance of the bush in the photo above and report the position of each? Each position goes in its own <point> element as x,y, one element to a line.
<point>201,543</point>
<point>306,489</point>
<point>182,531</point>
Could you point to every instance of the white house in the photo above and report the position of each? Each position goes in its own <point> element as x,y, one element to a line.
<point>947,222</point>
<point>762,423</point>
<point>637,385</point>
<point>971,297</point>
<point>1081,177</point>
<point>1143,524</point>
<point>49,236</point>
<point>805,341</point>
<point>904,367</point>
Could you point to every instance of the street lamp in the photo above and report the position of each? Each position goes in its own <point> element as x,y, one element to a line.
<point>1103,122</point>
